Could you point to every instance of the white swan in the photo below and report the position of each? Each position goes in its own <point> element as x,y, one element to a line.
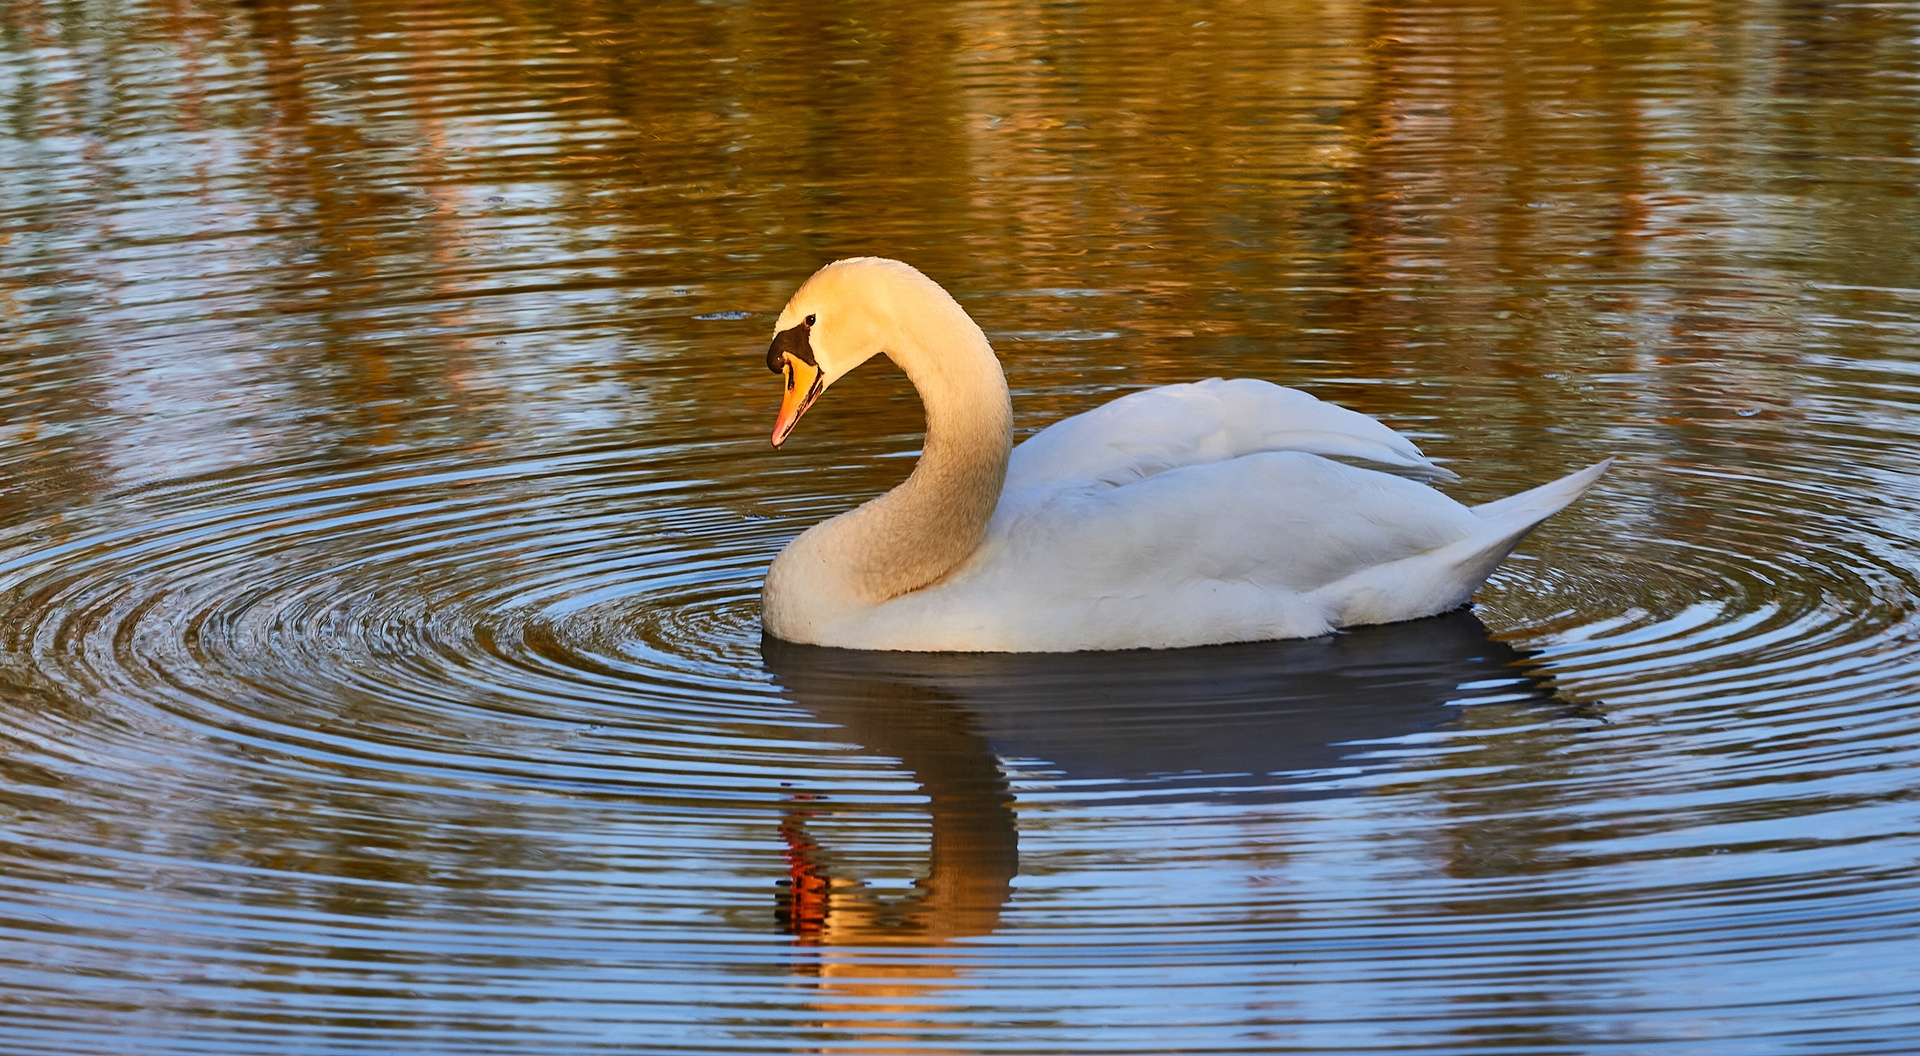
<point>1184,515</point>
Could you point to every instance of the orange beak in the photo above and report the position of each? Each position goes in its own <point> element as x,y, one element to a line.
<point>804,382</point>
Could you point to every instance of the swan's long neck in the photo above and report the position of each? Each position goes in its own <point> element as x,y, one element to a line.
<point>924,528</point>
<point>934,520</point>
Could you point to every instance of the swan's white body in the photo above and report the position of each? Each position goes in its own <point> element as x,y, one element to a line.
<point>1185,515</point>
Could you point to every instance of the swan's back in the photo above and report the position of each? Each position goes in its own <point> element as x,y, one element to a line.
<point>1155,430</point>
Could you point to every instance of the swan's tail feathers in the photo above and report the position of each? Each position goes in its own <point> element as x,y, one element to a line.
<point>1510,520</point>
<point>1439,580</point>
<point>1529,508</point>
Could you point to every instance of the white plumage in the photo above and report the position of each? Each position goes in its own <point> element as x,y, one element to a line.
<point>1195,514</point>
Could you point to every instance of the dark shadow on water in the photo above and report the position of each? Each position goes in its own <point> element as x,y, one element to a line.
<point>1259,721</point>
<point>1155,721</point>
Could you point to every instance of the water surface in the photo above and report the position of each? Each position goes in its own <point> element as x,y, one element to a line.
<point>384,496</point>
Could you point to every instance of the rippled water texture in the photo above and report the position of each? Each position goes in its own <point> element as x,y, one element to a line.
<point>384,497</point>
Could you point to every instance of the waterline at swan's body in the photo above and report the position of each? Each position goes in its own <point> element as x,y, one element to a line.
<point>1215,512</point>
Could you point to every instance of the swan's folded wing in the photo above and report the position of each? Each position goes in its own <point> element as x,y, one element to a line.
<point>1279,520</point>
<point>1149,432</point>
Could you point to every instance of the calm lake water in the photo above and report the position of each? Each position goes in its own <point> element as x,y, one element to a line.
<point>385,494</point>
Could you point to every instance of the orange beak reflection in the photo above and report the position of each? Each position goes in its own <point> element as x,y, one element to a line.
<point>804,382</point>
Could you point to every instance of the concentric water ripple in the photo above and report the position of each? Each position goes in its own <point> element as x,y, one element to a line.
<point>517,712</point>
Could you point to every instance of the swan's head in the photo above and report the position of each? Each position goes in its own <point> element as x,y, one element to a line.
<point>846,313</point>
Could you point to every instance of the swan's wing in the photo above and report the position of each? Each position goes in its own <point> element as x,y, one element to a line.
<point>1282,520</point>
<point>1217,552</point>
<point>1150,432</point>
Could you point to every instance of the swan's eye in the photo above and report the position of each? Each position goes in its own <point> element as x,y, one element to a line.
<point>810,320</point>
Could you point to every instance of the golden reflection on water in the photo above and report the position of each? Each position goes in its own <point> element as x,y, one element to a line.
<point>1388,192</point>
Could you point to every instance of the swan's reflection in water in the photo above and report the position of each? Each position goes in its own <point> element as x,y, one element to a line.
<point>1254,722</point>
<point>973,853</point>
